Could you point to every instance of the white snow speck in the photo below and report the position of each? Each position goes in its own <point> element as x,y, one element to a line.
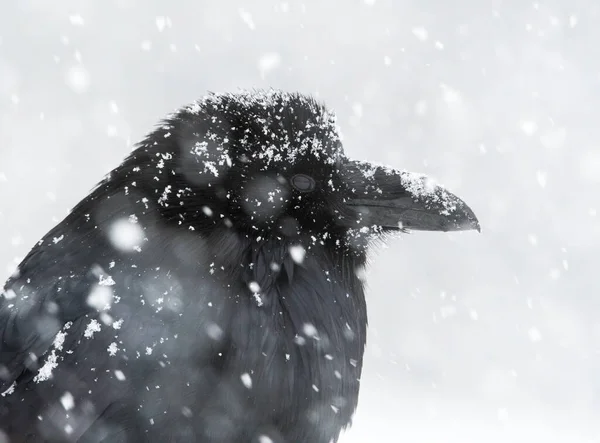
<point>450,95</point>
<point>247,18</point>
<point>258,299</point>
<point>9,294</point>
<point>112,349</point>
<point>387,60</point>
<point>421,108</point>
<point>300,341</point>
<point>78,78</point>
<point>92,327</point>
<point>76,20</point>
<point>100,297</point>
<point>534,334</point>
<point>309,329</point>
<point>56,240</point>
<point>67,401</point>
<point>9,391</point>
<point>68,429</point>
<point>119,374</point>
<point>361,273</point>
<point>369,2</point>
<point>59,340</point>
<point>254,286</point>
<point>529,127</point>
<point>161,23</point>
<point>439,45</point>
<point>264,439</point>
<point>246,380</point>
<point>214,331</point>
<point>117,324</point>
<point>420,32</point>
<point>45,372</point>
<point>541,178</point>
<point>572,21</point>
<point>125,235</point>
<point>297,252</point>
<point>106,281</point>
<point>268,62</point>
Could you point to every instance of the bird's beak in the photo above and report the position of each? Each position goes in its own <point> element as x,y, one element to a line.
<point>395,199</point>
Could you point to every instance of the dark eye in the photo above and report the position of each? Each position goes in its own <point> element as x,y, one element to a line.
<point>303,183</point>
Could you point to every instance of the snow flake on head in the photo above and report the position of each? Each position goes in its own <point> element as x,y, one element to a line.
<point>266,126</point>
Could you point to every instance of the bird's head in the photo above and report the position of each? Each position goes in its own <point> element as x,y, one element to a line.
<point>269,163</point>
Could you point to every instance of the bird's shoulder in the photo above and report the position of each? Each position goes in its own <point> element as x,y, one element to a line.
<point>111,257</point>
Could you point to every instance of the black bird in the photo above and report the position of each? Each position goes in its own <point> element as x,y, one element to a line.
<point>207,289</point>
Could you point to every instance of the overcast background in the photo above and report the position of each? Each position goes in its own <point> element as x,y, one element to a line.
<point>473,338</point>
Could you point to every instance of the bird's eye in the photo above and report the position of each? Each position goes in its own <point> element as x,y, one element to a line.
<point>303,183</point>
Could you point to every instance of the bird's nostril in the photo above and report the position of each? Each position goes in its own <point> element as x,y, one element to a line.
<point>303,183</point>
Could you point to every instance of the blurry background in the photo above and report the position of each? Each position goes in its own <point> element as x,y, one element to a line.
<point>473,338</point>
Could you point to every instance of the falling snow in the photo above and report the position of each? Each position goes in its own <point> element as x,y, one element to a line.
<point>78,79</point>
<point>247,18</point>
<point>125,235</point>
<point>100,297</point>
<point>76,20</point>
<point>297,252</point>
<point>268,62</point>
<point>246,380</point>
<point>420,32</point>
<point>503,114</point>
<point>67,401</point>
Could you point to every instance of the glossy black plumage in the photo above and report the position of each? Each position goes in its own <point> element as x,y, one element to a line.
<point>206,290</point>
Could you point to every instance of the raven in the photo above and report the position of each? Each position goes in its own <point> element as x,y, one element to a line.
<point>209,288</point>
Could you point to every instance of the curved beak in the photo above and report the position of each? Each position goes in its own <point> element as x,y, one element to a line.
<point>403,200</point>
